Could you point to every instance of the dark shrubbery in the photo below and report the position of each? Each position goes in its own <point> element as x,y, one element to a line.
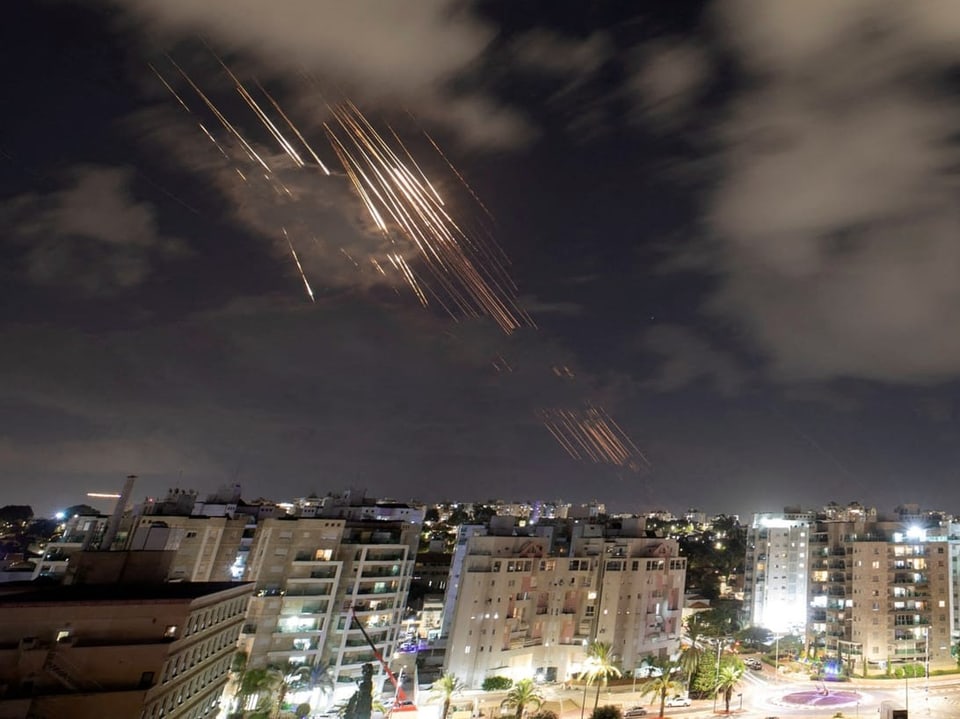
<point>494,684</point>
<point>608,711</point>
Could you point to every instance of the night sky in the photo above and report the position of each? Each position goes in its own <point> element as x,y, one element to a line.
<point>736,223</point>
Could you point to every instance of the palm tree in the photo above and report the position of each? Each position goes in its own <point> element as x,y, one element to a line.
<point>696,627</point>
<point>297,677</point>
<point>444,688</point>
<point>522,693</point>
<point>662,686</point>
<point>689,661</point>
<point>321,677</point>
<point>600,666</point>
<point>261,682</point>
<point>729,677</point>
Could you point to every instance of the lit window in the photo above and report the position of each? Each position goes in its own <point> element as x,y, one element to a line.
<point>170,632</point>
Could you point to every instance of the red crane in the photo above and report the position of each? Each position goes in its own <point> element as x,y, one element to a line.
<point>401,703</point>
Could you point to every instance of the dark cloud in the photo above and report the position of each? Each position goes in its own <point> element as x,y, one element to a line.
<point>93,236</point>
<point>687,358</point>
<point>834,221</point>
<point>381,54</point>
<point>666,78</point>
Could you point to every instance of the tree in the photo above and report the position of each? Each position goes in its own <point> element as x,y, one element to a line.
<point>262,683</point>
<point>297,677</point>
<point>705,677</point>
<point>662,686</point>
<point>755,636</point>
<point>444,688</point>
<point>696,626</point>
<point>600,666</point>
<point>690,657</point>
<point>18,514</point>
<point>496,684</point>
<point>608,711</point>
<point>84,510</point>
<point>730,675</point>
<point>522,693</point>
<point>545,714</point>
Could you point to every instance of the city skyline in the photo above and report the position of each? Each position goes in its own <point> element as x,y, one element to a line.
<point>731,227</point>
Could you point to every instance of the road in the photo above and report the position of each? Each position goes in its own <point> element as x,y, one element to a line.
<point>761,695</point>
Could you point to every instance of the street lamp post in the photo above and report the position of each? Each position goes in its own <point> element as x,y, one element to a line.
<point>740,697</point>
<point>776,661</point>
<point>716,681</point>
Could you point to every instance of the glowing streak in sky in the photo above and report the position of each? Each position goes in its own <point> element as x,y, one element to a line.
<point>299,266</point>
<point>464,274</point>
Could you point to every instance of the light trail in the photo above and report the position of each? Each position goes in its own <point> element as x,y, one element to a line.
<point>594,435</point>
<point>465,274</point>
<point>296,259</point>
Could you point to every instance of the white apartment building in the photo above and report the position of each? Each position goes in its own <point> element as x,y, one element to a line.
<point>776,570</point>
<point>522,611</point>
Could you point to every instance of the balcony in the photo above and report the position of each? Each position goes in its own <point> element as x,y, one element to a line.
<point>302,591</point>
<point>380,572</point>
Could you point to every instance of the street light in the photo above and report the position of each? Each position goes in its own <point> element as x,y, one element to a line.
<point>716,682</point>
<point>776,661</point>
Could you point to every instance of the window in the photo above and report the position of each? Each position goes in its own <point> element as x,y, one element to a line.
<point>170,632</point>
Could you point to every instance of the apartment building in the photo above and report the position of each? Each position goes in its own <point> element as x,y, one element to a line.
<point>80,532</point>
<point>93,651</point>
<point>206,549</point>
<point>527,606</point>
<point>882,592</point>
<point>312,576</point>
<point>776,569</point>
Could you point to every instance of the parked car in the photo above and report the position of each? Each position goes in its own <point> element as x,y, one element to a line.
<point>633,712</point>
<point>754,663</point>
<point>678,701</point>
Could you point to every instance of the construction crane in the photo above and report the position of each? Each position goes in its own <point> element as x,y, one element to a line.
<point>400,702</point>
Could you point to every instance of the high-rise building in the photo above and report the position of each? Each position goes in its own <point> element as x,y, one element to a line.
<point>776,569</point>
<point>882,592</point>
<point>316,579</point>
<point>523,609</point>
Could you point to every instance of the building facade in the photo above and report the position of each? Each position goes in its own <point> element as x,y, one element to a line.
<point>118,650</point>
<point>776,570</point>
<point>317,579</point>
<point>525,610</point>
<point>883,594</point>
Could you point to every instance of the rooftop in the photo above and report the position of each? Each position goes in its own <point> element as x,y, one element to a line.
<point>114,593</point>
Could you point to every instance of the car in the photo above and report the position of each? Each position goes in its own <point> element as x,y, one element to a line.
<point>754,663</point>
<point>678,701</point>
<point>633,712</point>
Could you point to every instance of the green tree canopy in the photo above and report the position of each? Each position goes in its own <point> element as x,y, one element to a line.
<point>496,684</point>
<point>607,711</point>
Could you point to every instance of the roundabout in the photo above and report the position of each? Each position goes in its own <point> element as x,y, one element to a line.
<point>820,699</point>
